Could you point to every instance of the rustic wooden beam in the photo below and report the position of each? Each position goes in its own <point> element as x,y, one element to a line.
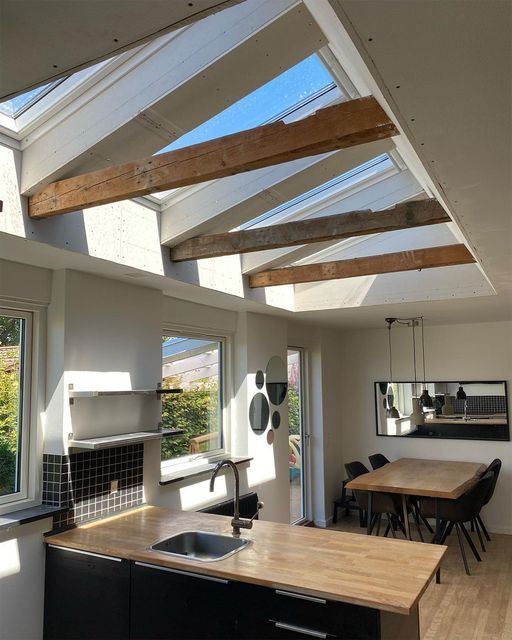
<point>406,215</point>
<point>343,125</point>
<point>446,256</point>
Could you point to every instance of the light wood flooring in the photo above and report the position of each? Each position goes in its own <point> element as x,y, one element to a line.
<point>476,607</point>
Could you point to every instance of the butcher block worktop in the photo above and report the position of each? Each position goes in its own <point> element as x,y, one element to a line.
<point>386,574</point>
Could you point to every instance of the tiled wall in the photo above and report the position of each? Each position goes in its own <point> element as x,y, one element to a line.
<point>82,482</point>
<point>481,405</point>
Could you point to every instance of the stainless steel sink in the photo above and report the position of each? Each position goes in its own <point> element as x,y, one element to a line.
<point>200,545</point>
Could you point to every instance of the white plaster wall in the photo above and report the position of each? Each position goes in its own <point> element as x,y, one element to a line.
<point>473,351</point>
<point>22,581</point>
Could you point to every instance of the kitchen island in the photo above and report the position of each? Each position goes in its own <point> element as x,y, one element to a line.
<point>365,587</point>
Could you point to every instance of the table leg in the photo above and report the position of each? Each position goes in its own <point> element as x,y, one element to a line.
<point>369,514</point>
<point>437,537</point>
<point>406,517</point>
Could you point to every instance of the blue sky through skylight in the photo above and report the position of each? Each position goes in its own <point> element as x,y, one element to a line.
<point>15,106</point>
<point>265,103</point>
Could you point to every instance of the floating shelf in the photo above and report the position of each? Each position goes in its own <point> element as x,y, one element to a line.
<point>105,442</point>
<point>127,392</point>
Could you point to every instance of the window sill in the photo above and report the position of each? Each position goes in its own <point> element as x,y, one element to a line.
<point>24,516</point>
<point>209,465</point>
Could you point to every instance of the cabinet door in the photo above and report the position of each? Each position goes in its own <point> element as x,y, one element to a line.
<point>167,603</point>
<point>86,596</point>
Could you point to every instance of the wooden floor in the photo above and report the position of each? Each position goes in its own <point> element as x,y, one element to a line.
<point>476,607</point>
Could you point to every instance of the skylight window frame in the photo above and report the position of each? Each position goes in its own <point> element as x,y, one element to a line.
<point>35,99</point>
<point>326,192</point>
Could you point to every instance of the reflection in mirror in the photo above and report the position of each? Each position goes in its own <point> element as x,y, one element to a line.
<point>260,379</point>
<point>465,410</point>
<point>277,380</point>
<point>276,419</point>
<point>259,412</point>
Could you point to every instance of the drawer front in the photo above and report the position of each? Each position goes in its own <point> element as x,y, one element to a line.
<point>287,614</point>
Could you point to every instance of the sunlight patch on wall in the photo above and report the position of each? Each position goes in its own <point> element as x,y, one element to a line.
<point>9,558</point>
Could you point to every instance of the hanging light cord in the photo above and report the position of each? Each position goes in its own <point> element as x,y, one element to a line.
<point>390,354</point>
<point>423,349</point>
<point>414,357</point>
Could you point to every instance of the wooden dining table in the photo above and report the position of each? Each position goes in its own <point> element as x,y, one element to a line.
<point>419,477</point>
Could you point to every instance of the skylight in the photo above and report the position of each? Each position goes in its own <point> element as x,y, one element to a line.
<point>339,183</point>
<point>14,107</point>
<point>272,101</point>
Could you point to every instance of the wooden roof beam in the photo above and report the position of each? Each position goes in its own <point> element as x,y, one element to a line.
<point>405,215</point>
<point>340,126</point>
<point>415,259</point>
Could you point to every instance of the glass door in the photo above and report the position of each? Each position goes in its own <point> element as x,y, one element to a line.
<point>296,435</point>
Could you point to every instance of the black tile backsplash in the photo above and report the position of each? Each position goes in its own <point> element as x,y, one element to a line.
<point>82,482</point>
<point>481,405</point>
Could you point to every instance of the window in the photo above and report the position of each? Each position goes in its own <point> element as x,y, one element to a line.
<point>195,365</point>
<point>14,107</point>
<point>272,101</point>
<point>15,348</point>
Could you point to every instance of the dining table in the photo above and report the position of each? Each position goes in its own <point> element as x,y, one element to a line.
<point>419,477</point>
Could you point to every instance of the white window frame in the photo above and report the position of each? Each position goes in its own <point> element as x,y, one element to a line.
<point>26,468</point>
<point>196,459</point>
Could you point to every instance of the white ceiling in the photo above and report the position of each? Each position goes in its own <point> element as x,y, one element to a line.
<point>41,40</point>
<point>452,65</point>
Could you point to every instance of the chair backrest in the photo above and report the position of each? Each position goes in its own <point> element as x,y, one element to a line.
<point>378,460</point>
<point>493,468</point>
<point>355,469</point>
<point>469,505</point>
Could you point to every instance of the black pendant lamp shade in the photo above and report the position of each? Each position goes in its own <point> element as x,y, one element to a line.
<point>425,400</point>
<point>461,394</point>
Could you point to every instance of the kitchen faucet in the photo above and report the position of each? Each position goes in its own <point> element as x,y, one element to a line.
<point>237,523</point>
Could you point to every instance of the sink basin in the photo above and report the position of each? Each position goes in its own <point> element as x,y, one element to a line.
<point>200,545</point>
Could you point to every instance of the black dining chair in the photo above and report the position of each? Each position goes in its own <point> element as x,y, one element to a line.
<point>378,460</point>
<point>387,504</point>
<point>454,513</point>
<point>494,468</point>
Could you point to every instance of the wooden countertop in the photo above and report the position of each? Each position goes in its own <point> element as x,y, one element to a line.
<point>419,477</point>
<point>380,573</point>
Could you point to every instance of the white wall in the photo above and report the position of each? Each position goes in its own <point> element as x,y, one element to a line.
<point>22,581</point>
<point>470,351</point>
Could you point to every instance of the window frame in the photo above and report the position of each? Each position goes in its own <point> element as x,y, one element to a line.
<point>25,468</point>
<point>188,461</point>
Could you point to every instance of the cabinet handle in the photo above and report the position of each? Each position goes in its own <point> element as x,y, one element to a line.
<point>85,553</point>
<point>181,573</point>
<point>304,630</point>
<point>300,596</point>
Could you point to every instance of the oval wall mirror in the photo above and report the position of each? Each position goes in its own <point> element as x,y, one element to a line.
<point>277,380</point>
<point>259,412</point>
<point>276,419</point>
<point>260,379</point>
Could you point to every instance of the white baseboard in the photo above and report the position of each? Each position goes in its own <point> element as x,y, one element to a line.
<point>323,523</point>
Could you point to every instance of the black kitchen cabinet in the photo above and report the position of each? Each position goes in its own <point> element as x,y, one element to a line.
<point>275,613</point>
<point>86,596</point>
<point>173,604</point>
<point>94,597</point>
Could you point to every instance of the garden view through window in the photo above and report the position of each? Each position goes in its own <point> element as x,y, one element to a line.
<point>12,338</point>
<point>194,365</point>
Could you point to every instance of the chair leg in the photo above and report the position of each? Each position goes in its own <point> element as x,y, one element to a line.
<point>392,525</point>
<point>417,523</point>
<point>401,526</point>
<point>479,534</point>
<point>480,522</point>
<point>470,542</point>
<point>472,526</point>
<point>463,553</point>
<point>375,517</point>
<point>379,519</point>
<point>335,514</point>
<point>426,523</point>
<point>446,532</point>
<point>387,530</point>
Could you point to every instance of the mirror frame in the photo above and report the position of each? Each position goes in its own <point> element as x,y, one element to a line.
<point>501,433</point>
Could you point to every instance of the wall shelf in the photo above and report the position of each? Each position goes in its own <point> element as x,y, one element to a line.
<point>73,394</point>
<point>104,442</point>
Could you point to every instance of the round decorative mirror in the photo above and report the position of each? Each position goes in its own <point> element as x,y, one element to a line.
<point>260,379</point>
<point>276,419</point>
<point>277,380</point>
<point>259,412</point>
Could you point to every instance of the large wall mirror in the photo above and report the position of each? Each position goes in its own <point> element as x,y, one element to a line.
<point>465,410</point>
